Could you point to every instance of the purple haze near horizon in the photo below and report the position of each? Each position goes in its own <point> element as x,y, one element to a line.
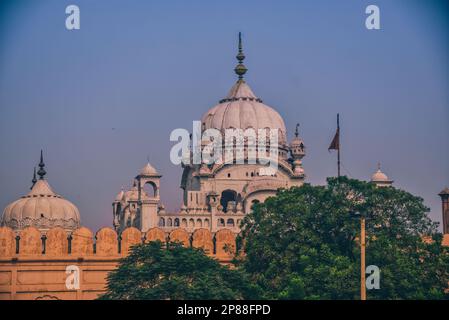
<point>100,100</point>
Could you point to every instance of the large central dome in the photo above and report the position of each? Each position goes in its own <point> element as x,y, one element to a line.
<point>241,109</point>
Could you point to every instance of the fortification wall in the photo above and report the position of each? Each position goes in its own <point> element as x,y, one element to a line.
<point>33,264</point>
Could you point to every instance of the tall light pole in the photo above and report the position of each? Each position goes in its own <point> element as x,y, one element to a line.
<point>362,253</point>
<point>362,259</point>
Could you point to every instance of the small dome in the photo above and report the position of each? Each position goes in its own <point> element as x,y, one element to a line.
<point>380,178</point>
<point>148,170</point>
<point>41,208</point>
<point>241,109</point>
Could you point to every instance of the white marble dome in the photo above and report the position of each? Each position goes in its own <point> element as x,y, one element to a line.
<point>41,208</point>
<point>241,109</point>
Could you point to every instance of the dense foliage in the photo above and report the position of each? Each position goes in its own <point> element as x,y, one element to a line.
<point>303,243</point>
<point>156,271</point>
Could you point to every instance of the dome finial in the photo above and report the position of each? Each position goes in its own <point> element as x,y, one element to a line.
<point>240,69</point>
<point>297,130</point>
<point>34,178</point>
<point>41,172</point>
<point>378,165</point>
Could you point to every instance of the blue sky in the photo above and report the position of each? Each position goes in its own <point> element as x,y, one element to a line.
<point>102,99</point>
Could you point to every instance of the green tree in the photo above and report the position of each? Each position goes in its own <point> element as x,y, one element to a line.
<point>303,243</point>
<point>156,271</point>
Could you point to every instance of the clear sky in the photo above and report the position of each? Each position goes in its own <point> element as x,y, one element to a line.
<point>102,99</point>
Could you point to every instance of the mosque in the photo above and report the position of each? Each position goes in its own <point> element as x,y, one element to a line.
<point>216,197</point>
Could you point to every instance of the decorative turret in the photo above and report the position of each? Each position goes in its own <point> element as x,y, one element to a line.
<point>381,179</point>
<point>297,150</point>
<point>148,203</point>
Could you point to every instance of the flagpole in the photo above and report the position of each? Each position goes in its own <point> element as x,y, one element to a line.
<point>339,144</point>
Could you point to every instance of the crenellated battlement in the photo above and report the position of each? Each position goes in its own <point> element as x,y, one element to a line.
<point>106,243</point>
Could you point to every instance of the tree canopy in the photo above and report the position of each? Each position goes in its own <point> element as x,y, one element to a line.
<point>159,271</point>
<point>303,243</point>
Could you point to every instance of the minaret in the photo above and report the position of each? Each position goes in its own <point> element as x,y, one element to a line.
<point>445,206</point>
